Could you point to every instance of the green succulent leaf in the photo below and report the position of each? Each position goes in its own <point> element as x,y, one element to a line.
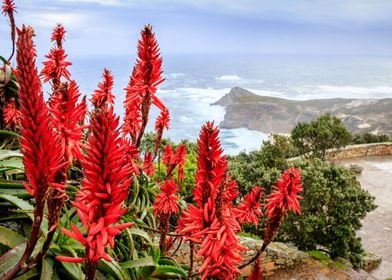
<point>31,274</point>
<point>168,271</point>
<point>10,238</point>
<point>146,261</point>
<point>9,259</point>
<point>113,269</point>
<point>47,269</point>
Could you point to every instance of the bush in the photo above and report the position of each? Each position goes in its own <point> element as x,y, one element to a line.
<point>332,209</point>
<point>319,135</point>
<point>370,138</point>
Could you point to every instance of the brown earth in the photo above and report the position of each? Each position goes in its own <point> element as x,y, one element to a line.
<point>316,270</point>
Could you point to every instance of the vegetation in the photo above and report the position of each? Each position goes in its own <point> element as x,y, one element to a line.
<point>319,135</point>
<point>370,138</point>
<point>333,203</point>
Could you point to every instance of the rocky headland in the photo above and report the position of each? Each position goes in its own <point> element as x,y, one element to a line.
<point>278,115</point>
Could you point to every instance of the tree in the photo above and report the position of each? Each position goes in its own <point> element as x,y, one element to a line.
<point>319,135</point>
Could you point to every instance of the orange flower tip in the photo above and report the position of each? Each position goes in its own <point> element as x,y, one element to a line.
<point>157,102</point>
<point>58,186</point>
<point>124,225</point>
<point>29,189</point>
<point>69,259</point>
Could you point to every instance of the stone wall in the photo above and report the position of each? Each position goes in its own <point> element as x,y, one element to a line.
<point>374,149</point>
<point>277,255</point>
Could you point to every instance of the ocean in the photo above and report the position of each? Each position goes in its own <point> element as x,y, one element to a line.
<point>194,82</point>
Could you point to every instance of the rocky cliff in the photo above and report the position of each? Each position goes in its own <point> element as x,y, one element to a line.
<point>278,115</point>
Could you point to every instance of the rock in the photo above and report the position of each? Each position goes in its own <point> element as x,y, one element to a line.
<point>250,243</point>
<point>356,168</point>
<point>268,266</point>
<point>371,261</point>
<point>302,255</point>
<point>278,115</point>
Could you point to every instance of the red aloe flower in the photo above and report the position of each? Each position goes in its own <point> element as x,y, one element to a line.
<point>146,77</point>
<point>249,210</point>
<point>107,177</point>
<point>42,157</point>
<point>11,115</point>
<point>55,67</point>
<point>132,104</point>
<point>256,272</point>
<point>283,199</point>
<point>103,95</point>
<point>161,123</point>
<point>285,196</point>
<point>8,7</point>
<point>148,164</point>
<point>131,155</point>
<point>68,116</point>
<point>212,222</point>
<point>58,35</point>
<point>166,202</point>
<point>173,159</point>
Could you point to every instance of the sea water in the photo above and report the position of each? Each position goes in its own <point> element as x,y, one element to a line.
<point>194,82</point>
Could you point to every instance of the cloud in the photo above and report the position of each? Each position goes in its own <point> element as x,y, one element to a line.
<point>311,11</point>
<point>100,2</point>
<point>49,19</point>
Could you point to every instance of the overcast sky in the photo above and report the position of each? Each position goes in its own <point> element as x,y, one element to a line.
<point>222,26</point>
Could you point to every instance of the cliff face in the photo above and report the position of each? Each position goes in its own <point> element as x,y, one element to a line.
<point>278,115</point>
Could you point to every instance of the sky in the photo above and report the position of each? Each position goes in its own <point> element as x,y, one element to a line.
<point>303,27</point>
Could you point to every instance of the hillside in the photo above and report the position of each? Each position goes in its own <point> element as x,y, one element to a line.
<point>278,115</point>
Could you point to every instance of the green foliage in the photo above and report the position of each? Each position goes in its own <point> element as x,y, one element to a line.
<point>148,142</point>
<point>250,170</point>
<point>189,170</point>
<point>332,209</point>
<point>319,135</point>
<point>370,138</point>
<point>275,152</point>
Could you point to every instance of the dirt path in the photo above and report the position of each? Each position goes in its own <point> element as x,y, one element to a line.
<point>376,232</point>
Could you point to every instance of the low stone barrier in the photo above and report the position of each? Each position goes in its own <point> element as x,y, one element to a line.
<point>352,151</point>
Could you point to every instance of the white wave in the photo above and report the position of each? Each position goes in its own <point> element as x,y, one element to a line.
<point>229,78</point>
<point>244,140</point>
<point>206,95</point>
<point>332,91</point>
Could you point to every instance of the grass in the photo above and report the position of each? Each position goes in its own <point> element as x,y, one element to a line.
<point>326,261</point>
<point>250,235</point>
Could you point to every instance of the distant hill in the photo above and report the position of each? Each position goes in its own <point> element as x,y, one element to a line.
<point>278,115</point>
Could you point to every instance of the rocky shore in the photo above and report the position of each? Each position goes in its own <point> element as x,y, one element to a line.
<point>278,115</point>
